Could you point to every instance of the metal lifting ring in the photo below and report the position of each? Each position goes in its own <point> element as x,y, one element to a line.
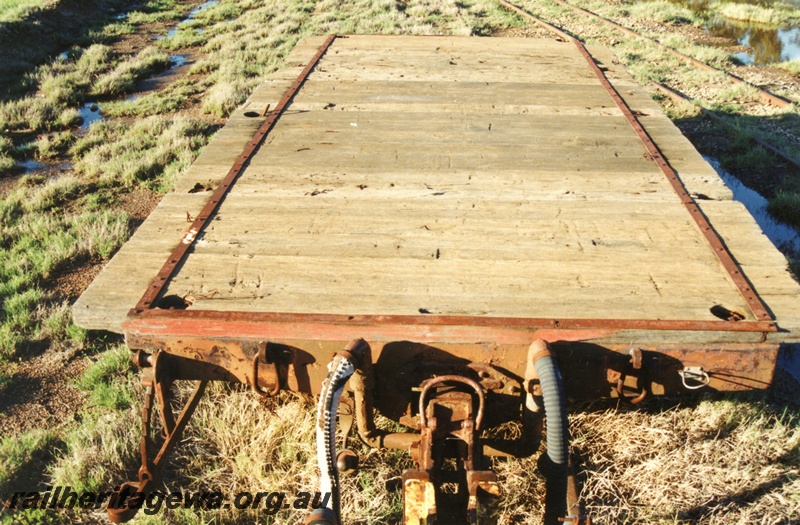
<point>456,379</point>
<point>632,400</point>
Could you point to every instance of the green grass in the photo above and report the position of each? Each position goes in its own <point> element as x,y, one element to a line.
<point>162,102</point>
<point>36,239</point>
<point>664,12</point>
<point>16,10</point>
<point>775,14</point>
<point>184,38</point>
<point>110,381</point>
<point>99,452</point>
<point>792,66</point>
<point>785,207</point>
<point>157,11</point>
<point>153,150</point>
<point>18,453</point>
<point>124,76</point>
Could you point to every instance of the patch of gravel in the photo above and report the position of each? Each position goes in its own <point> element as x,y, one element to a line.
<point>139,203</point>
<point>40,393</point>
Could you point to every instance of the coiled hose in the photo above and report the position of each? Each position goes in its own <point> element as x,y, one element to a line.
<point>554,462</point>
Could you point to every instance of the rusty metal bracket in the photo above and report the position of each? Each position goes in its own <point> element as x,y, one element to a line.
<point>119,508</point>
<point>275,377</point>
<point>634,368</point>
<point>456,379</point>
<point>447,419</point>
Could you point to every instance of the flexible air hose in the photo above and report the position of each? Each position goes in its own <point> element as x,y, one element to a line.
<point>555,462</point>
<point>339,371</point>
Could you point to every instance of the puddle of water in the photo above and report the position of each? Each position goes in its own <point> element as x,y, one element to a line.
<point>193,13</point>
<point>32,165</point>
<point>202,7</point>
<point>767,45</point>
<point>178,60</point>
<point>89,112</point>
<point>784,237</point>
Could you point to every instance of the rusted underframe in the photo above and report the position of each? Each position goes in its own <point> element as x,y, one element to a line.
<point>591,370</point>
<point>148,299</point>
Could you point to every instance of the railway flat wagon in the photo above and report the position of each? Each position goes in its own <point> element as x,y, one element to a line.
<point>455,232</point>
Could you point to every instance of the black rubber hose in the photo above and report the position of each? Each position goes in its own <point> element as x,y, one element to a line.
<point>554,462</point>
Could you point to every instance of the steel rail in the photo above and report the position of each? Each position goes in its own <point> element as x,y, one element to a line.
<point>159,282</point>
<point>676,96</point>
<point>766,96</point>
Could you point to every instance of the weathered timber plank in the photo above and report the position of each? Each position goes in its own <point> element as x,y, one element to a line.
<point>499,93</point>
<point>428,157</point>
<point>416,199</point>
<point>581,289</point>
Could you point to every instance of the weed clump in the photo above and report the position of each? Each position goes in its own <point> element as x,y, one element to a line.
<point>785,207</point>
<point>152,149</point>
<point>662,11</point>
<point>775,14</point>
<point>124,77</point>
<point>17,453</point>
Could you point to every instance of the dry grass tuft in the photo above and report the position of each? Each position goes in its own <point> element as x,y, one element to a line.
<point>240,443</point>
<point>724,460</point>
<point>776,14</point>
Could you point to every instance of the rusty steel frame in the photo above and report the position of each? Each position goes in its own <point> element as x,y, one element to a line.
<point>321,324</point>
<point>595,370</point>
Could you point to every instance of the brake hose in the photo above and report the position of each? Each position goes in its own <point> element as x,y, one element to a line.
<point>339,371</point>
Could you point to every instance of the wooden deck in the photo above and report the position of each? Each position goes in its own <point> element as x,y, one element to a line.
<point>451,176</point>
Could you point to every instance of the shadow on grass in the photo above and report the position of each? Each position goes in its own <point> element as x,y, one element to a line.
<point>756,167</point>
<point>743,498</point>
<point>28,42</point>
